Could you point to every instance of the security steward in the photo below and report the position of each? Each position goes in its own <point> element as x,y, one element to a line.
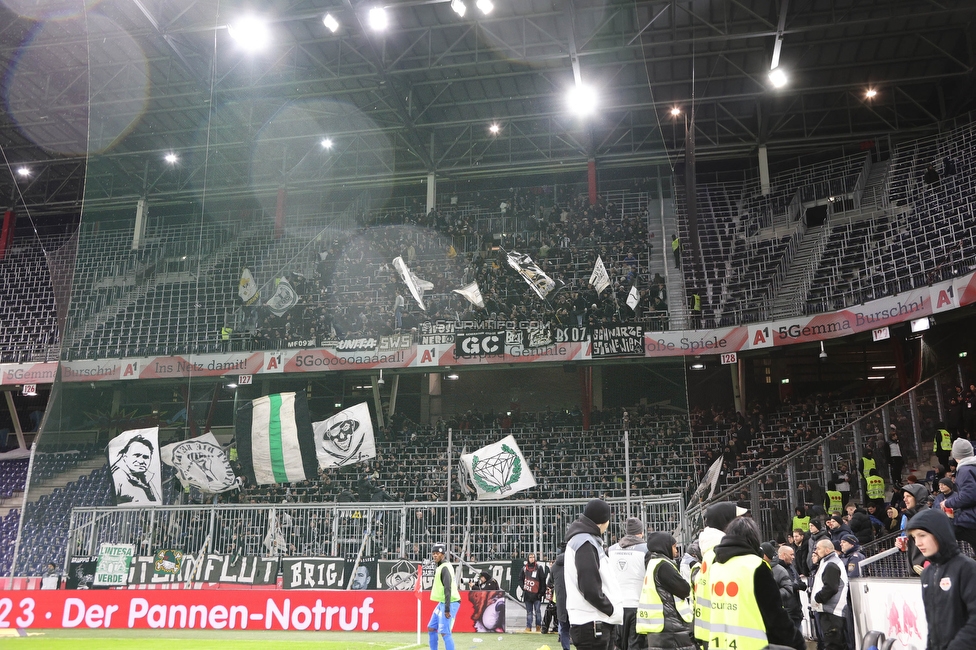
<point>445,593</point>
<point>876,488</point>
<point>942,447</point>
<point>834,500</point>
<point>664,612</point>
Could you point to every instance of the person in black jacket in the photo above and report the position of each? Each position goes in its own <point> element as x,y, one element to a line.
<point>557,577</point>
<point>676,634</point>
<point>860,524</point>
<point>793,606</point>
<point>948,583</point>
<point>485,582</point>
<point>742,538</point>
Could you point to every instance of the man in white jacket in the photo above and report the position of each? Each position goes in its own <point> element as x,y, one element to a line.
<point>627,563</point>
<point>593,599</point>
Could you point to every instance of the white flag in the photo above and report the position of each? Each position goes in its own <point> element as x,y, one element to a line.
<point>464,478</point>
<point>499,470</point>
<point>345,438</point>
<point>411,281</point>
<point>284,298</point>
<point>541,283</point>
<point>133,458</point>
<point>472,293</point>
<point>274,539</point>
<point>633,298</point>
<point>599,278</point>
<point>248,288</point>
<point>202,463</point>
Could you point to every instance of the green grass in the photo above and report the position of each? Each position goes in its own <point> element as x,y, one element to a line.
<point>257,640</point>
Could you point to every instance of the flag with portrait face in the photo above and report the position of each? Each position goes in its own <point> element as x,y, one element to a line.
<point>133,457</point>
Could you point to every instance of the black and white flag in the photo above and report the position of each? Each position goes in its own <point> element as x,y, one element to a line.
<point>133,457</point>
<point>285,297</point>
<point>201,463</point>
<point>472,293</point>
<point>599,279</point>
<point>345,438</point>
<point>541,283</point>
<point>633,298</point>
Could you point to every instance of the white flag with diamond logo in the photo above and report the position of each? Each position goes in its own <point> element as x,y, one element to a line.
<point>499,470</point>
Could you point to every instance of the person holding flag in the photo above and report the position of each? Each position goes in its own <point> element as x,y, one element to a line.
<point>446,594</point>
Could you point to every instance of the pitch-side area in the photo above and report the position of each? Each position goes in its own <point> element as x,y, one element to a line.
<point>11,639</point>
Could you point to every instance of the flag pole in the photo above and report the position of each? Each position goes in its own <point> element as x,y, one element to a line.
<point>447,540</point>
<point>627,468</point>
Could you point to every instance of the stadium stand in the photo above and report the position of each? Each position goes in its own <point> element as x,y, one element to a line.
<point>28,319</point>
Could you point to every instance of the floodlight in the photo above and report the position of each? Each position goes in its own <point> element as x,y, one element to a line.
<point>777,77</point>
<point>452,376</point>
<point>582,100</point>
<point>378,19</point>
<point>459,7</point>
<point>871,93</point>
<point>698,366</point>
<point>23,172</point>
<point>494,128</point>
<point>823,353</point>
<point>485,6</point>
<point>675,112</point>
<point>326,143</point>
<point>331,23</point>
<point>171,158</point>
<point>250,32</point>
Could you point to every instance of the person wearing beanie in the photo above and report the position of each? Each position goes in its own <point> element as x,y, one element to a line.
<point>593,599</point>
<point>532,579</point>
<point>818,531</point>
<point>756,606</point>
<point>945,488</point>
<point>717,517</point>
<point>838,528</point>
<point>860,524</point>
<point>627,563</point>
<point>948,583</point>
<point>961,507</point>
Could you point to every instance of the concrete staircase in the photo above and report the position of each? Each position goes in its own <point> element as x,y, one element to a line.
<point>790,296</point>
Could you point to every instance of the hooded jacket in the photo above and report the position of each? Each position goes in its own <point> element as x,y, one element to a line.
<point>779,627</point>
<point>592,593</point>
<point>964,502</point>
<point>627,562</point>
<point>668,581</point>
<point>860,524</point>
<point>948,587</point>
<point>559,587</point>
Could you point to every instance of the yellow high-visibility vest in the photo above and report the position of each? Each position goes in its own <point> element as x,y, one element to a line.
<point>650,607</point>
<point>946,439</point>
<point>735,619</point>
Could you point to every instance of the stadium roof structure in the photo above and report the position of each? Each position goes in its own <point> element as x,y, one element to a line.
<point>97,92</point>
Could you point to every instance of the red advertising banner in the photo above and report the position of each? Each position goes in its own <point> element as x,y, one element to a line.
<point>388,611</point>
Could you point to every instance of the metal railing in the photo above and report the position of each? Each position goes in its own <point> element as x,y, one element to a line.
<point>475,530</point>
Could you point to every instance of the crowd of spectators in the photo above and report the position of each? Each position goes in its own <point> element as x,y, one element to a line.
<point>348,286</point>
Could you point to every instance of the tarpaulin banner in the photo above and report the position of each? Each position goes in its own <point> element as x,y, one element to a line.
<point>227,609</point>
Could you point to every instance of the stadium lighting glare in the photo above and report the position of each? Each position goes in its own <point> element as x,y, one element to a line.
<point>250,32</point>
<point>675,112</point>
<point>452,376</point>
<point>231,385</point>
<point>963,355</point>
<point>326,143</point>
<point>330,23</point>
<point>875,377</point>
<point>871,93</point>
<point>777,77</point>
<point>883,367</point>
<point>171,158</point>
<point>582,100</point>
<point>494,129</point>
<point>23,172</point>
<point>698,366</point>
<point>459,7</point>
<point>920,324</point>
<point>378,20</point>
<point>485,6</point>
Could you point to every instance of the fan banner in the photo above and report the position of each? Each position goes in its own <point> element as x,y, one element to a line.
<point>275,442</point>
<point>284,298</point>
<point>633,298</point>
<point>345,438</point>
<point>201,463</point>
<point>413,283</point>
<point>472,293</point>
<point>134,462</point>
<point>499,470</point>
<point>599,279</point>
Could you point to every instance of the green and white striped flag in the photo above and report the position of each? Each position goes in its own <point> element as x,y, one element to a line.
<point>275,443</point>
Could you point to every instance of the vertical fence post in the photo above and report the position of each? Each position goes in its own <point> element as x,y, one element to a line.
<point>858,453</point>
<point>916,429</point>
<point>939,398</point>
